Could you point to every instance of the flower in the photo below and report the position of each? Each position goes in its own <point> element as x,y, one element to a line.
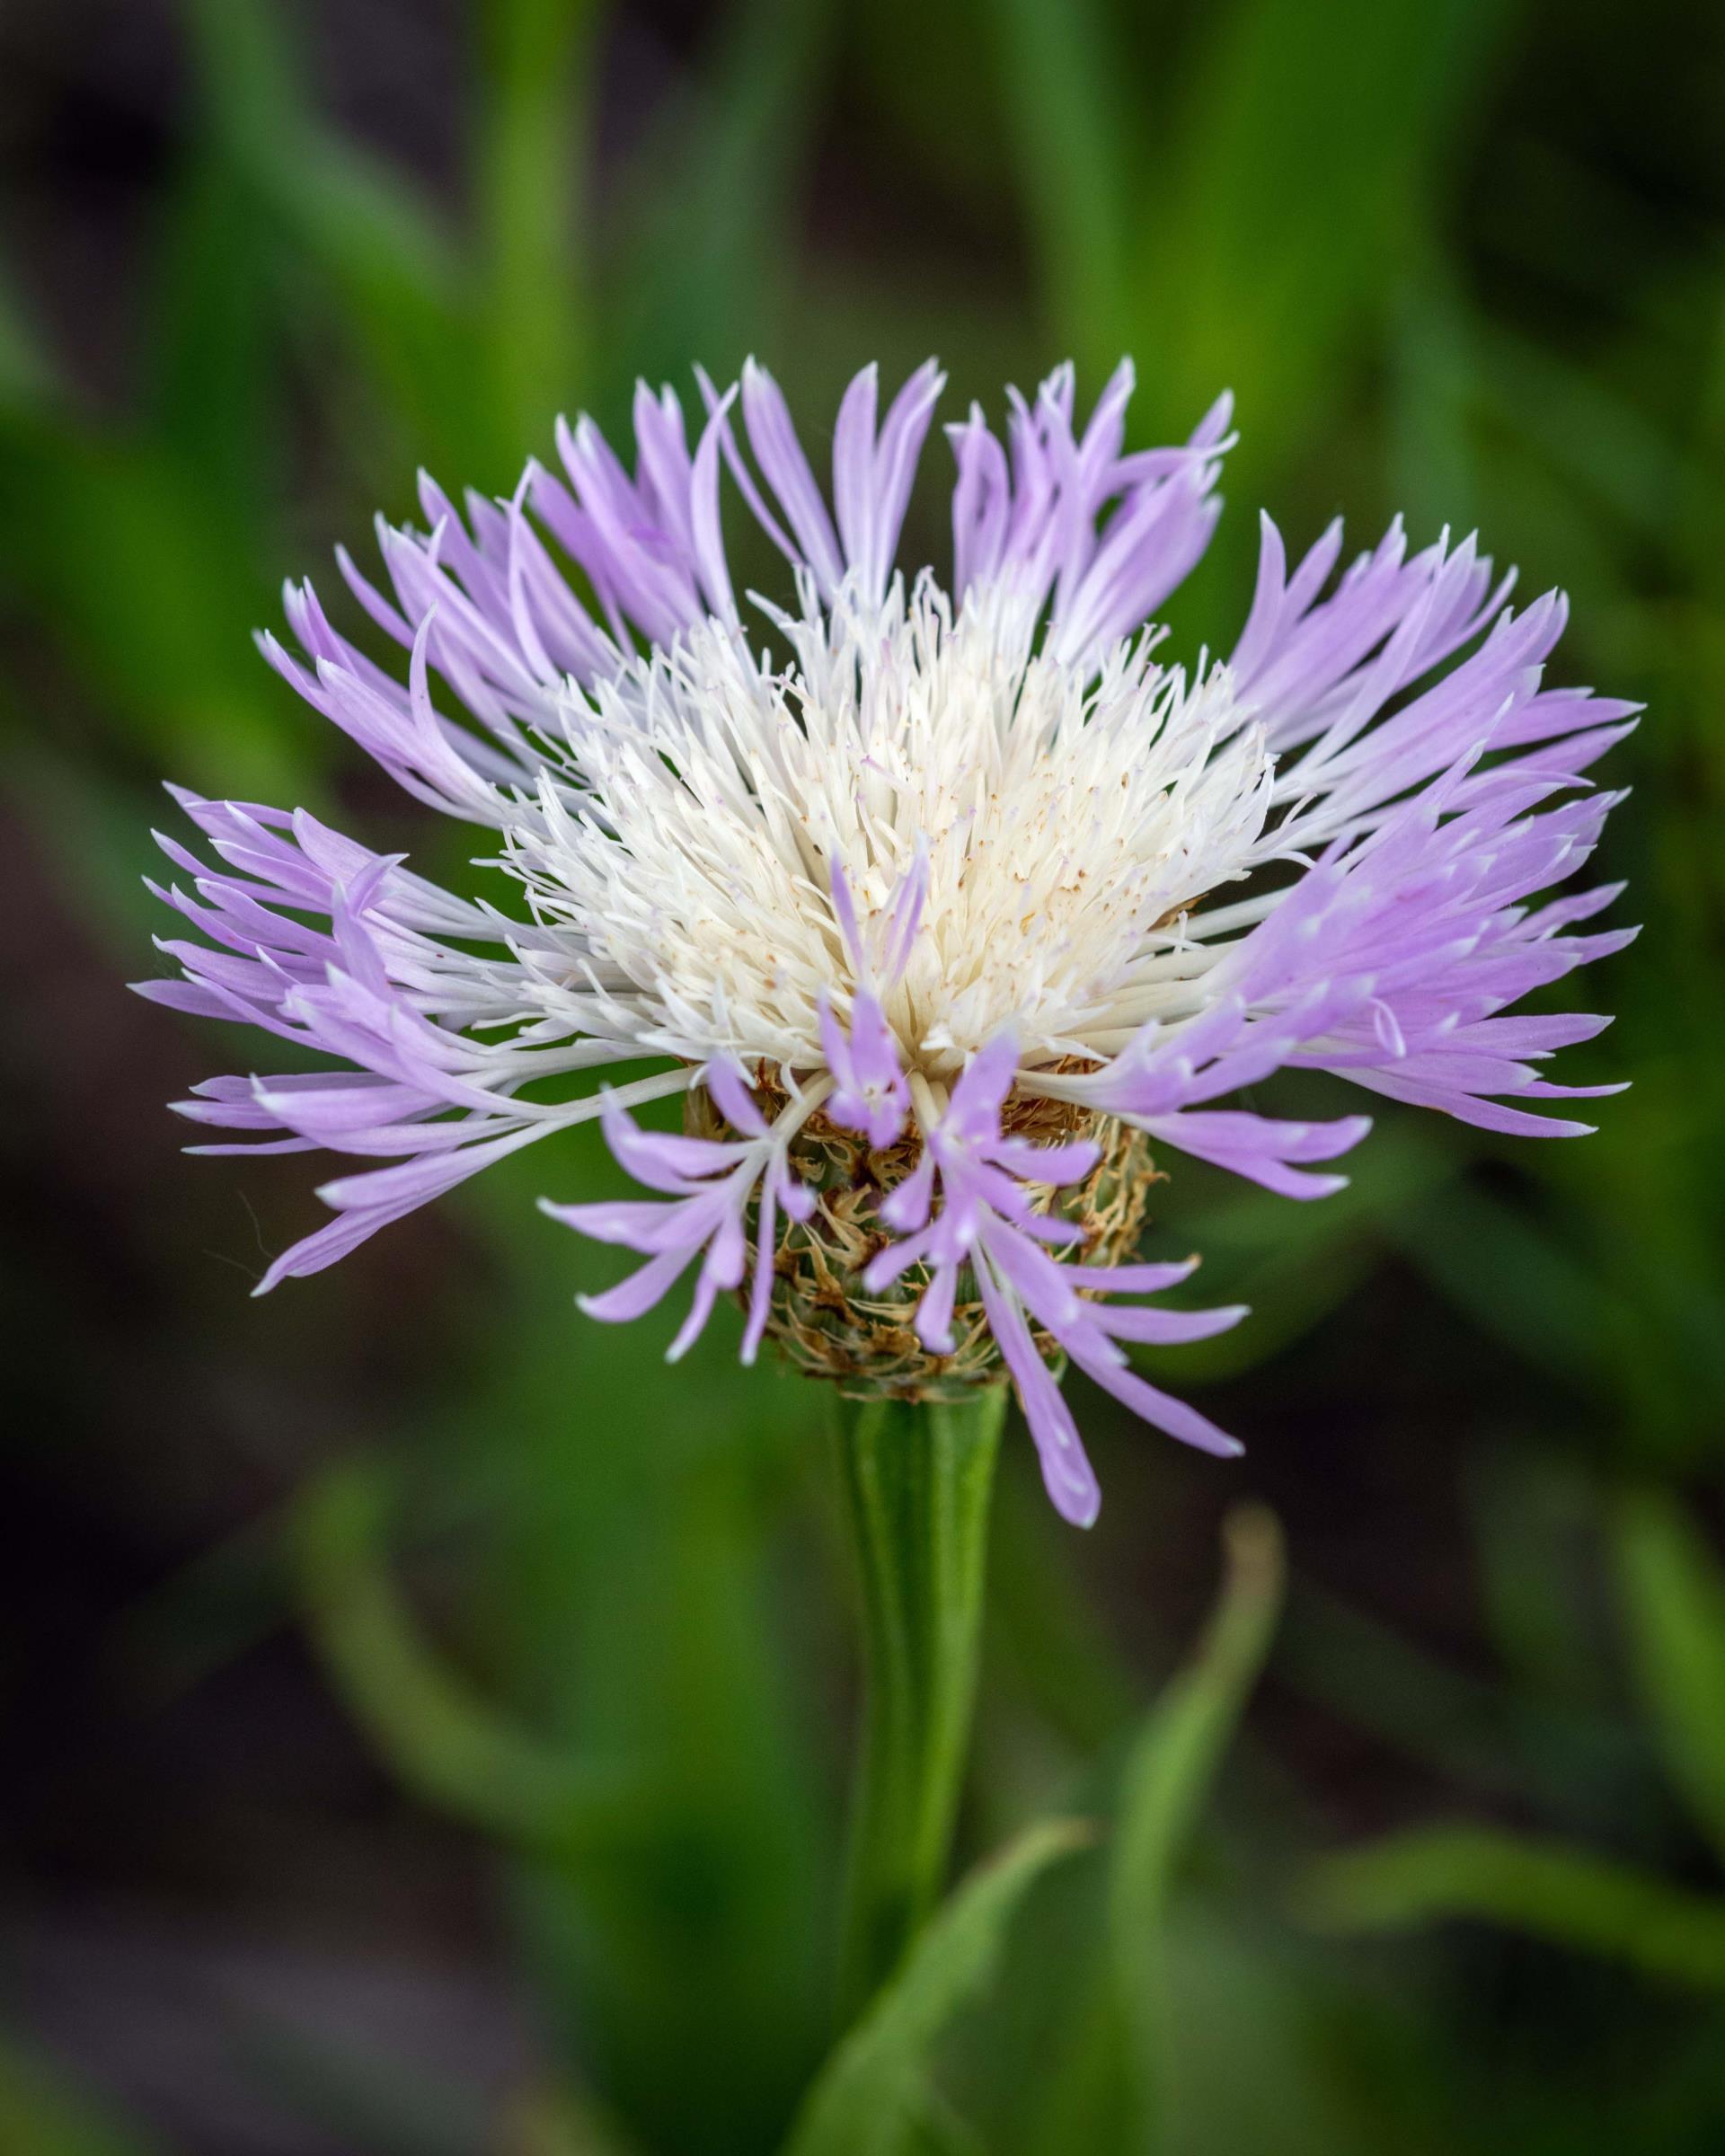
<point>940,904</point>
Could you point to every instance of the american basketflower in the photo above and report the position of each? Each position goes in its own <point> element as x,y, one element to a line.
<point>943,903</point>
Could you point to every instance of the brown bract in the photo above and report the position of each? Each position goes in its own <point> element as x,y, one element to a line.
<point>828,1325</point>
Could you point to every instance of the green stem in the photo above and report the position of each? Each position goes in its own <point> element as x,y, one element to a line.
<point>917,1480</point>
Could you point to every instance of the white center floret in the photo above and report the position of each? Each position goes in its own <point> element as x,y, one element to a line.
<point>680,851</point>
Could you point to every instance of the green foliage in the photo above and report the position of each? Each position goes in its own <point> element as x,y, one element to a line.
<point>1454,258</point>
<point>1169,1778</point>
<point>1673,1598</point>
<point>871,2098</point>
<point>1119,2087</point>
<point>437,1735</point>
<point>1550,1892</point>
<point>534,143</point>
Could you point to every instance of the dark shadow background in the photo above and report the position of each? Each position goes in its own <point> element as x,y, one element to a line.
<point>274,1879</point>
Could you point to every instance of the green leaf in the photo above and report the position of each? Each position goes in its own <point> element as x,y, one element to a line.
<point>1297,168</point>
<point>707,241</point>
<point>870,2098</point>
<point>1535,1532</point>
<point>1564,1895</point>
<point>1379,1680</point>
<point>1175,1759</point>
<point>635,1588</point>
<point>443,1742</point>
<point>1594,435</point>
<point>1115,2081</point>
<point>379,264</point>
<point>1063,84</point>
<point>1674,1595</point>
<point>216,337</point>
<point>1168,1780</point>
<point>1047,1640</point>
<point>158,637</point>
<point>532,155</point>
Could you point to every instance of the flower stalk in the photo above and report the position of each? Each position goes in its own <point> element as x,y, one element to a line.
<point>918,1481</point>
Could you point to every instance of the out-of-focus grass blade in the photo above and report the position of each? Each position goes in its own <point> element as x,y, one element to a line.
<point>1069,125</point>
<point>1536,1532</point>
<point>38,2116</point>
<point>1643,1186</point>
<point>1380,1682</point>
<point>1045,1634</point>
<point>1564,1895</point>
<point>635,1592</point>
<point>1517,1281</point>
<point>1168,1780</point>
<point>117,551</point>
<point>1114,2087</point>
<point>1280,218</point>
<point>1431,452</point>
<point>1534,1519</point>
<point>445,1745</point>
<point>1674,1596</point>
<point>1593,435</point>
<point>373,250</point>
<point>1288,2047</point>
<point>142,555</point>
<point>533,151</point>
<point>215,325</point>
<point>870,2100</point>
<point>709,246</point>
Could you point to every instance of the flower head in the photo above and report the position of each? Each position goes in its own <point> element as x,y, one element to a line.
<point>941,902</point>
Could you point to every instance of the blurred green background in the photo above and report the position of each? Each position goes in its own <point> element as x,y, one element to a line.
<point>428,1717</point>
